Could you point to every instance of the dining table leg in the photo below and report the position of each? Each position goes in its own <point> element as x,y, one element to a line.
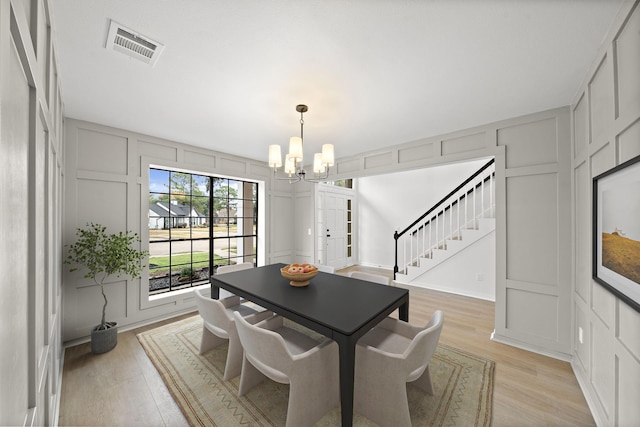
<point>347,358</point>
<point>403,311</point>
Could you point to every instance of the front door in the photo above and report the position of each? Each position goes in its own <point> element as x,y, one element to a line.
<point>335,229</point>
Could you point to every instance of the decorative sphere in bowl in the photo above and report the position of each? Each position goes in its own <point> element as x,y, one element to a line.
<point>299,274</point>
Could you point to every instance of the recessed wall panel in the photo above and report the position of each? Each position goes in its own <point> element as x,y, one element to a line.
<point>530,144</point>
<point>463,144</point>
<point>14,228</point>
<point>602,160</point>
<point>233,166</point>
<point>629,142</point>
<point>582,348</point>
<point>282,231</point>
<point>157,151</point>
<point>628,67</point>
<point>603,304</point>
<point>196,158</point>
<point>628,390</point>
<point>601,103</point>
<point>532,313</point>
<point>102,152</point>
<point>412,154</point>
<point>532,228</point>
<point>349,166</point>
<point>580,128</point>
<point>102,202</point>
<point>629,329</point>
<point>582,232</point>
<point>603,366</point>
<point>90,302</point>
<point>378,160</point>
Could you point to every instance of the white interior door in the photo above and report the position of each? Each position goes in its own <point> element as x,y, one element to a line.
<point>335,229</point>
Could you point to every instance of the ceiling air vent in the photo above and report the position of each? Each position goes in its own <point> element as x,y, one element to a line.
<point>127,41</point>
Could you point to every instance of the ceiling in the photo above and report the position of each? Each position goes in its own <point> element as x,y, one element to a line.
<point>374,73</point>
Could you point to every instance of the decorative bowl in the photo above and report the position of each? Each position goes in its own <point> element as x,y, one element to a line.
<point>298,279</point>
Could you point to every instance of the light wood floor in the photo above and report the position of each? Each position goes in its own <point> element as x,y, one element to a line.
<point>122,387</point>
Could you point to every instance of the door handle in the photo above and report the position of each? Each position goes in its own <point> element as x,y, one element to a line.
<point>328,235</point>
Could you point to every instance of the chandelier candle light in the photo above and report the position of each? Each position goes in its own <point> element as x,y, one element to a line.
<point>293,164</point>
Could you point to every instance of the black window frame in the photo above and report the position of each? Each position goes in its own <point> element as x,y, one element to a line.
<point>196,274</point>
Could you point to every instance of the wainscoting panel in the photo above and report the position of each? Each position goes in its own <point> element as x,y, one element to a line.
<point>530,144</point>
<point>119,199</point>
<point>157,151</point>
<point>602,160</point>
<point>532,313</point>
<point>601,102</point>
<point>101,152</point>
<point>582,227</point>
<point>532,226</point>
<point>628,329</point>
<point>378,160</point>
<point>89,301</point>
<point>629,142</point>
<point>200,159</point>
<point>31,174</point>
<point>607,363</point>
<point>582,350</point>
<point>581,128</point>
<point>628,389</point>
<point>101,202</point>
<point>463,144</point>
<point>628,67</point>
<point>603,364</point>
<point>417,153</point>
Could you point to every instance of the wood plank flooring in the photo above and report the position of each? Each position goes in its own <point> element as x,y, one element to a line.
<point>123,388</point>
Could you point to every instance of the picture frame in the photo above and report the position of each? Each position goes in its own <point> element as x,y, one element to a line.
<point>616,231</point>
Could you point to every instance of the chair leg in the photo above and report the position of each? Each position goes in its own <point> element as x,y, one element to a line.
<point>209,340</point>
<point>249,378</point>
<point>233,366</point>
<point>424,382</point>
<point>309,402</point>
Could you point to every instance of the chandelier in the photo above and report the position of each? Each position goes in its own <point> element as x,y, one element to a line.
<point>293,163</point>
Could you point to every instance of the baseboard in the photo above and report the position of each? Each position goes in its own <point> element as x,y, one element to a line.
<point>586,392</point>
<point>56,404</point>
<point>366,264</point>
<point>134,325</point>
<point>532,348</point>
<point>419,287</point>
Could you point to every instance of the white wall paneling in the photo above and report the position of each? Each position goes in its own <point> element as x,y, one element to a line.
<point>107,182</point>
<point>533,224</point>
<point>31,169</point>
<point>607,358</point>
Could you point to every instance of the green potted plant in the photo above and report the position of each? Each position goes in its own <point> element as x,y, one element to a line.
<point>102,255</point>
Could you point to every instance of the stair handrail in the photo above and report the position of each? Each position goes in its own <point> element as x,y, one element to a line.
<point>397,235</point>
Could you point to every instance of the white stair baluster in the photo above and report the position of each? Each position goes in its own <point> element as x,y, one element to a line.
<point>482,198</point>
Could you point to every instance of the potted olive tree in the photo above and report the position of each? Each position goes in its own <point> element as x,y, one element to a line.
<point>102,255</point>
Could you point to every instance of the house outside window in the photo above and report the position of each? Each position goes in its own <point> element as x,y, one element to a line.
<point>197,223</point>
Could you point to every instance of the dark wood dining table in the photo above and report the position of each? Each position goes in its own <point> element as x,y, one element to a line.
<point>336,306</point>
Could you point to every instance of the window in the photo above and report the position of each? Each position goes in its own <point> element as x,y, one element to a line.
<point>197,223</point>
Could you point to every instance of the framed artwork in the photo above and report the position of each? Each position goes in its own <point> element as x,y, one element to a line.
<point>616,231</point>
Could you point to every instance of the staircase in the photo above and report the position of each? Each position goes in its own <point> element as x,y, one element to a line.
<point>463,217</point>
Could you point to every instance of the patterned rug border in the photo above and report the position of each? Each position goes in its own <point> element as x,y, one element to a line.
<point>203,377</point>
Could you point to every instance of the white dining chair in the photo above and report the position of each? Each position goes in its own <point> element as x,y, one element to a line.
<point>377,278</point>
<point>219,326</point>
<point>388,357</point>
<point>222,269</point>
<point>287,356</point>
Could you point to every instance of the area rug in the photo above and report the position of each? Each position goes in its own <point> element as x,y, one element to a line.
<point>463,385</point>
